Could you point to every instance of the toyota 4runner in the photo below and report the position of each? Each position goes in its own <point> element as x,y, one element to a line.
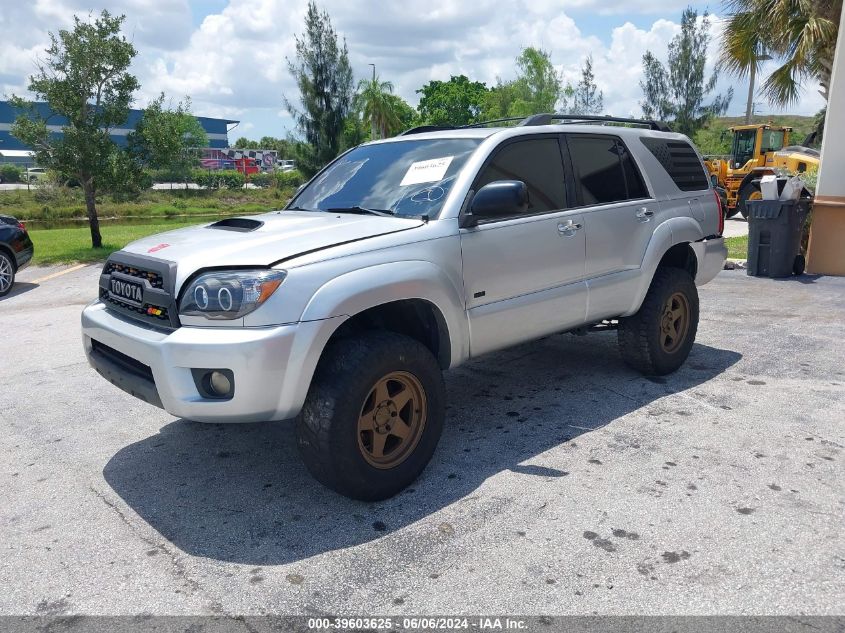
<point>400,259</point>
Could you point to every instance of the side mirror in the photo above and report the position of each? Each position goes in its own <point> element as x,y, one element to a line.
<point>497,199</point>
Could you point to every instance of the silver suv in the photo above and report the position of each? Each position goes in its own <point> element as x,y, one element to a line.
<point>403,258</point>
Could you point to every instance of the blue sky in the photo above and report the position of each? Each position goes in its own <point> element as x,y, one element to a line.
<point>229,55</point>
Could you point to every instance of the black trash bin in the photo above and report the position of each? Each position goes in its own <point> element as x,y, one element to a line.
<point>774,237</point>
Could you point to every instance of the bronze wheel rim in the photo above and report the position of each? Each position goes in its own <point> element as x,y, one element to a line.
<point>674,323</point>
<point>392,420</point>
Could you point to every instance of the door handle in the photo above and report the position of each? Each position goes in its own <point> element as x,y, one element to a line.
<point>568,228</point>
<point>644,214</point>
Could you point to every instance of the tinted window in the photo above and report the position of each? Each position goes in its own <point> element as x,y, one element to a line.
<point>598,169</point>
<point>633,180</point>
<point>680,161</point>
<point>535,162</point>
<point>405,177</point>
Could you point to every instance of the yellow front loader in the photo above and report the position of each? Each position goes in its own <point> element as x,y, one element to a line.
<point>757,150</point>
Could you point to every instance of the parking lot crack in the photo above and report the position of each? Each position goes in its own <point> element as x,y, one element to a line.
<point>176,562</point>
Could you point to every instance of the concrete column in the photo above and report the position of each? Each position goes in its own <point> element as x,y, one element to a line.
<point>826,251</point>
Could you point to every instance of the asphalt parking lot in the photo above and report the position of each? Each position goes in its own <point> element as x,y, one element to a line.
<point>564,482</point>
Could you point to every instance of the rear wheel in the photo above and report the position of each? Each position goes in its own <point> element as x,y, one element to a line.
<point>659,337</point>
<point>7,274</point>
<point>373,416</point>
<point>748,192</point>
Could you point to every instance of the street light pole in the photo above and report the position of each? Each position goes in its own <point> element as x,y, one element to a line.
<point>372,118</point>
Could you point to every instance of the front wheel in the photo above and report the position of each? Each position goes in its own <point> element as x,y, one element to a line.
<point>658,338</point>
<point>373,415</point>
<point>7,274</point>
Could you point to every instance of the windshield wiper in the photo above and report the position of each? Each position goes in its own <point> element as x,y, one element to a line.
<point>357,209</point>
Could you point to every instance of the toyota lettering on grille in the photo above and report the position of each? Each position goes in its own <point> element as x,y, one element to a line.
<point>126,291</point>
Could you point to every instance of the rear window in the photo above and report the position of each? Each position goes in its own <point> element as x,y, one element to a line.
<point>604,170</point>
<point>680,161</point>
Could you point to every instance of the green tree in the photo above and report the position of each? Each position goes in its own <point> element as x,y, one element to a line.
<point>406,115</point>
<point>676,92</point>
<point>800,34</point>
<point>714,139</point>
<point>324,78</point>
<point>244,143</point>
<point>537,88</point>
<point>587,98</point>
<point>454,102</point>
<point>84,79</point>
<point>373,102</point>
<point>169,138</point>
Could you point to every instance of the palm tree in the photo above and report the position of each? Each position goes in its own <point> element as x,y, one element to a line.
<point>373,101</point>
<point>800,34</point>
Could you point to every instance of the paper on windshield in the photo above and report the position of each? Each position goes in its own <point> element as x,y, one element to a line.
<point>431,170</point>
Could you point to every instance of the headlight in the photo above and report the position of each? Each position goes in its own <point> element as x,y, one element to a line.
<point>229,294</point>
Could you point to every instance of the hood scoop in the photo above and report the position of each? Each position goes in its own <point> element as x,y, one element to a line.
<point>239,225</point>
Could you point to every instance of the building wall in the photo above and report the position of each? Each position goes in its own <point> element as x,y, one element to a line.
<point>215,128</point>
<point>826,251</point>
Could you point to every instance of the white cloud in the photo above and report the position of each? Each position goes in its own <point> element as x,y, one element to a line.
<point>234,63</point>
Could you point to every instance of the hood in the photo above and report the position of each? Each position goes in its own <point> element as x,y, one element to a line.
<point>282,235</point>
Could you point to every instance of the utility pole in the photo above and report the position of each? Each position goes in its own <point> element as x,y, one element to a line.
<point>372,118</point>
<point>749,107</point>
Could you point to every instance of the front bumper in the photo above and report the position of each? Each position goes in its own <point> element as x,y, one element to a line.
<point>711,254</point>
<point>272,366</point>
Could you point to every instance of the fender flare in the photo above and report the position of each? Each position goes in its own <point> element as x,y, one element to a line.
<point>370,287</point>
<point>682,230</point>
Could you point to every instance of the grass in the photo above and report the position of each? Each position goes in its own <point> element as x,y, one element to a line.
<point>48,202</point>
<point>62,246</point>
<point>737,247</point>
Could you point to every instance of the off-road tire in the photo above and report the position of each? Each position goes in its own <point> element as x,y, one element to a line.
<point>327,427</point>
<point>640,335</point>
<point>7,269</point>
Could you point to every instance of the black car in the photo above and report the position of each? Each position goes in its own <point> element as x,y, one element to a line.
<point>15,251</point>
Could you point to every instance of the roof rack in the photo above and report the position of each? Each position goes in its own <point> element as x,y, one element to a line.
<point>426,128</point>
<point>545,119</point>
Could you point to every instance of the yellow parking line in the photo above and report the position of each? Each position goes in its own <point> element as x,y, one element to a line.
<point>59,274</point>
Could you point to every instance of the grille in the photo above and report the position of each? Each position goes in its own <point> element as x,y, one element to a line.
<point>147,310</point>
<point>158,307</point>
<point>155,279</point>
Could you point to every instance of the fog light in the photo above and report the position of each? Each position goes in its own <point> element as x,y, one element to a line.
<point>220,383</point>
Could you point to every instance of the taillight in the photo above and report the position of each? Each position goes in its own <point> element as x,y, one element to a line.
<point>22,226</point>
<point>721,212</point>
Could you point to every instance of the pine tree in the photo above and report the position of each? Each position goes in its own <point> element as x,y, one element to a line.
<point>588,99</point>
<point>326,90</point>
<point>676,92</point>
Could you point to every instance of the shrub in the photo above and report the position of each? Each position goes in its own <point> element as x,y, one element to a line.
<point>230,178</point>
<point>11,173</point>
<point>225,178</point>
<point>289,178</point>
<point>261,179</point>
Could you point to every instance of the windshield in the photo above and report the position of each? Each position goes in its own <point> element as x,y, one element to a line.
<point>403,178</point>
<point>743,149</point>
